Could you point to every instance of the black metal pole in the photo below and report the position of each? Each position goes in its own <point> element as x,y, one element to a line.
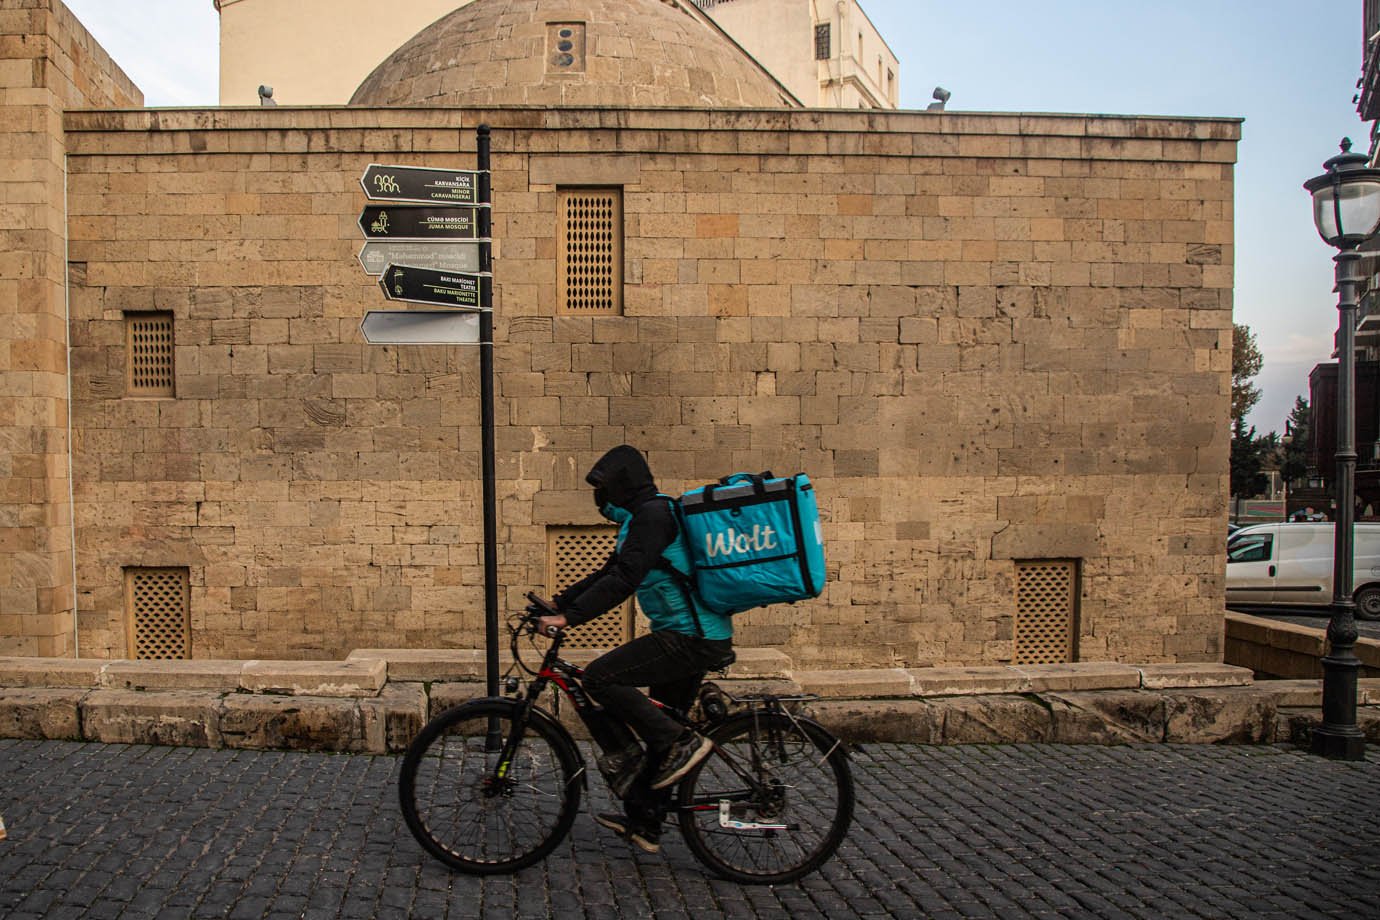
<point>486,400</point>
<point>1339,737</point>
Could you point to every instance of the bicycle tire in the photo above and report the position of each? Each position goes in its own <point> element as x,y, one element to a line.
<point>463,814</point>
<point>806,767</point>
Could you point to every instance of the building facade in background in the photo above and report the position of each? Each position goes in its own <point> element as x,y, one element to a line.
<point>828,55</point>
<point>1319,488</point>
<point>998,343</point>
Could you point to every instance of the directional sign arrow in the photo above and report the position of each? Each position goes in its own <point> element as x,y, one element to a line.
<point>381,327</point>
<point>425,285</point>
<point>409,222</point>
<point>442,255</point>
<point>421,184</point>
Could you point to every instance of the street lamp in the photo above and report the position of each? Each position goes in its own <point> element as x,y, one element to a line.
<point>1346,210</point>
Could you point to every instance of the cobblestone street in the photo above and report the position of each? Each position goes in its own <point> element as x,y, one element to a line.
<point>107,831</point>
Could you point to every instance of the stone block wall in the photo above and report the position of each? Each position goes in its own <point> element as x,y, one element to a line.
<point>986,338</point>
<point>48,63</point>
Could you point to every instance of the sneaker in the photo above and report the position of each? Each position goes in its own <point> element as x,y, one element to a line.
<point>645,838</point>
<point>620,768</point>
<point>688,750</point>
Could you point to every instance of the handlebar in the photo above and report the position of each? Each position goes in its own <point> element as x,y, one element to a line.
<point>538,607</point>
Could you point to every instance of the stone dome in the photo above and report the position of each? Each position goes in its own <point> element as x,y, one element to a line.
<point>571,53</point>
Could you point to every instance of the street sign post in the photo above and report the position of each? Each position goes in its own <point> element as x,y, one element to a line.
<point>421,184</point>
<point>439,289</point>
<point>420,327</point>
<point>411,222</point>
<point>413,248</point>
<point>443,256</point>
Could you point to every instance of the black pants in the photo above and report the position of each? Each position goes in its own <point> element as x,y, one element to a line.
<point>672,666</point>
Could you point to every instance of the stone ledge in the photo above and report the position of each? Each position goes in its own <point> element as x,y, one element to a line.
<point>51,672</point>
<point>366,671</point>
<point>1172,676</point>
<point>351,678</point>
<point>1265,712</point>
<point>172,675</point>
<point>361,677</point>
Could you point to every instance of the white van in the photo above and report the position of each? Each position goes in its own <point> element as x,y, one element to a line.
<point>1290,565</point>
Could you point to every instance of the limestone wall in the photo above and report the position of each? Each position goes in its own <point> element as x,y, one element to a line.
<point>986,338</point>
<point>48,63</point>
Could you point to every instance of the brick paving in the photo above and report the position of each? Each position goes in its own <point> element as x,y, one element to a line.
<point>1153,831</point>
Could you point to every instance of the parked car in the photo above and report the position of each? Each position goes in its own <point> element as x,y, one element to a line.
<point>1290,565</point>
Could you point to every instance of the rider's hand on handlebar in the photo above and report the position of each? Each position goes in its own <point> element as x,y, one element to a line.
<point>549,626</point>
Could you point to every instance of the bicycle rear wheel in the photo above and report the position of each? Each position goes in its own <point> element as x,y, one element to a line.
<point>785,823</point>
<point>477,814</point>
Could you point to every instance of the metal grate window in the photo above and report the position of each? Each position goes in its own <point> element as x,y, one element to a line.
<point>822,42</point>
<point>572,553</point>
<point>1046,611</point>
<point>149,354</point>
<point>590,257</point>
<point>156,611</point>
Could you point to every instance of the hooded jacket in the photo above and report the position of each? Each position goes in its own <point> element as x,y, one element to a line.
<point>626,494</point>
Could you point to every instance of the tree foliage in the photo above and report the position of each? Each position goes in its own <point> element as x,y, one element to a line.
<point>1248,460</point>
<point>1293,464</point>
<point>1246,362</point>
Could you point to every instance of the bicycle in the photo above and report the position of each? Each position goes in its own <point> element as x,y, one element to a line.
<point>493,785</point>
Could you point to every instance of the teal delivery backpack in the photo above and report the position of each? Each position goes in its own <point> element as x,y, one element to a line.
<point>754,540</point>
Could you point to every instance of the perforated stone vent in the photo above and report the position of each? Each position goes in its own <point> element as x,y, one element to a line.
<point>156,610</point>
<point>573,553</point>
<point>1046,611</point>
<point>590,231</point>
<point>149,354</point>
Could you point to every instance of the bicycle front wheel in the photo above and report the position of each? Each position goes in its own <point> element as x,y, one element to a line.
<point>484,800</point>
<point>771,803</point>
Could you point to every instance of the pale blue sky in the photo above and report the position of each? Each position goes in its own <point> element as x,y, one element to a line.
<point>1288,68</point>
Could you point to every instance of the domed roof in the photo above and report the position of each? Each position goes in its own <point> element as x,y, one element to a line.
<point>571,53</point>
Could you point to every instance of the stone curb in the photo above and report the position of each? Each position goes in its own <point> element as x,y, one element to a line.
<point>377,700</point>
<point>1287,650</point>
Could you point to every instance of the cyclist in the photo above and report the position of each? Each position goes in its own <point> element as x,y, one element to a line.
<point>686,642</point>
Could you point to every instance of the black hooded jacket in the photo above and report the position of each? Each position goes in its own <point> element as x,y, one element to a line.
<point>622,480</point>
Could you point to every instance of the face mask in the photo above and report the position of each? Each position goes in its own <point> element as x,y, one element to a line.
<point>614,513</point>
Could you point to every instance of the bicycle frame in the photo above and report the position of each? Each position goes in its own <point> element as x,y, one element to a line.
<point>567,678</point>
<point>767,761</point>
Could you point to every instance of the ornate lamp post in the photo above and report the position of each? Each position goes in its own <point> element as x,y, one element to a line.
<point>1346,210</point>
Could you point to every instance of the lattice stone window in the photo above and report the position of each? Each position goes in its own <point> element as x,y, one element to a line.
<point>571,554</point>
<point>157,613</point>
<point>590,251</point>
<point>149,354</point>
<point>1046,611</point>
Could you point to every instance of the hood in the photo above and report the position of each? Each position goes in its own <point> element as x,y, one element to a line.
<point>622,478</point>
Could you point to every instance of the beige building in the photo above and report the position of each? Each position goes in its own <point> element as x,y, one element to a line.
<point>999,344</point>
<point>312,52</point>
<point>826,54</point>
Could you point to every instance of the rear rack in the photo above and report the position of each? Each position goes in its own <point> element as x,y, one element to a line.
<point>774,697</point>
